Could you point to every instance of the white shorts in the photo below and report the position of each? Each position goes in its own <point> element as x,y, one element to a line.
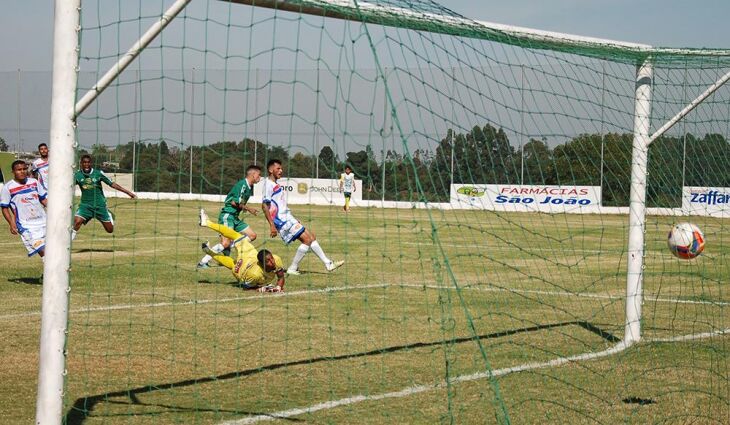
<point>34,238</point>
<point>289,229</point>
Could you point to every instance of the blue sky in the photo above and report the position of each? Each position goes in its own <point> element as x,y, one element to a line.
<point>26,25</point>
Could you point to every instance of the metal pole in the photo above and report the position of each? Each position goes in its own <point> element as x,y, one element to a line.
<point>136,134</point>
<point>54,305</point>
<point>192,124</point>
<point>256,119</point>
<point>451,133</point>
<point>603,137</point>
<point>385,125</point>
<point>637,206</point>
<point>684,131</point>
<point>316,128</point>
<point>522,124</point>
<point>131,54</point>
<point>17,143</point>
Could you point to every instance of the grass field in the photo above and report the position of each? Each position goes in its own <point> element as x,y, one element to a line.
<point>423,296</point>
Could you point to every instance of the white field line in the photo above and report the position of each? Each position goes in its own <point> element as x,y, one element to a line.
<point>345,288</point>
<point>681,338</point>
<point>198,302</point>
<point>473,244</point>
<point>647,298</point>
<point>409,391</point>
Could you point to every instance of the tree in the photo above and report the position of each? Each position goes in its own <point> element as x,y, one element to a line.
<point>328,162</point>
<point>3,145</point>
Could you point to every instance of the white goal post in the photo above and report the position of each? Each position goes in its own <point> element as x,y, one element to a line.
<point>65,110</point>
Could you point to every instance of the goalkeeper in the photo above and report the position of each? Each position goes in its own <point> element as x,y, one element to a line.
<point>254,270</point>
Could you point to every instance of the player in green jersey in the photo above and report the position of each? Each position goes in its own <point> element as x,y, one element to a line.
<point>229,216</point>
<point>93,201</point>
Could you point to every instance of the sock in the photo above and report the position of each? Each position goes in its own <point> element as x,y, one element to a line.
<point>217,248</point>
<point>301,252</point>
<point>347,203</point>
<point>318,250</point>
<point>73,234</point>
<point>225,261</point>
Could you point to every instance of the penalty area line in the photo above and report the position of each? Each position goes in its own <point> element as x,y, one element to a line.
<point>647,297</point>
<point>409,391</point>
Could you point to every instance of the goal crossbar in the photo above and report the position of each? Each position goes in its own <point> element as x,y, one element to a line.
<point>456,25</point>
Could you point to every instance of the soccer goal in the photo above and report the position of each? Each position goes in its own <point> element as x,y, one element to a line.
<point>504,237</point>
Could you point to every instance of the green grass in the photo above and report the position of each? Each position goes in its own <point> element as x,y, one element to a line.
<point>424,295</point>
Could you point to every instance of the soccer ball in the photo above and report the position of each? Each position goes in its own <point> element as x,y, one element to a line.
<point>686,241</point>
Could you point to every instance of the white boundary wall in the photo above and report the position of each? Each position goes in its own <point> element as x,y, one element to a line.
<point>327,192</point>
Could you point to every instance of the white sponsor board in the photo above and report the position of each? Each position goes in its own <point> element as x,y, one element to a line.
<point>707,201</point>
<point>312,191</point>
<point>542,198</point>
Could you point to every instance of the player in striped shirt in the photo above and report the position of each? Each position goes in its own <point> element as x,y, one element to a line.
<point>39,167</point>
<point>347,186</point>
<point>285,224</point>
<point>23,202</point>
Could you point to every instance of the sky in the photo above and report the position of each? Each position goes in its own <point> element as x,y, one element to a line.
<point>26,27</point>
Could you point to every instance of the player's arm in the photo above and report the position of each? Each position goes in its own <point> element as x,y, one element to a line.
<point>267,214</point>
<point>10,219</point>
<point>122,189</point>
<point>280,275</point>
<point>250,210</point>
<point>244,207</point>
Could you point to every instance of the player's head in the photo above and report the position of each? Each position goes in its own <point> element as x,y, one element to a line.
<point>274,168</point>
<point>43,150</point>
<point>266,260</point>
<point>20,170</point>
<point>85,163</point>
<point>348,169</point>
<point>253,173</point>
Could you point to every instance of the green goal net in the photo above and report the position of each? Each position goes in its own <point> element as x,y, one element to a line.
<point>485,243</point>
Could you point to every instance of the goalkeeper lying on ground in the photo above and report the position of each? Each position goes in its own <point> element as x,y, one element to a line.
<point>254,270</point>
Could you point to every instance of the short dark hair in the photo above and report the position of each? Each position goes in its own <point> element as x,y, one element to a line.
<point>347,167</point>
<point>253,167</point>
<point>84,156</point>
<point>17,162</point>
<point>261,256</point>
<point>41,145</point>
<point>272,162</point>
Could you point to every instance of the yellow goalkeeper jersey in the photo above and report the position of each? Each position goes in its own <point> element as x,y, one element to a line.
<point>246,268</point>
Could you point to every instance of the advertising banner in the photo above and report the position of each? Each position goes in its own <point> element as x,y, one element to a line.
<point>707,201</point>
<point>312,191</point>
<point>526,198</point>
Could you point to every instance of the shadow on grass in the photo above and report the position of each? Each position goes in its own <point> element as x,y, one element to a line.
<point>83,407</point>
<point>27,280</point>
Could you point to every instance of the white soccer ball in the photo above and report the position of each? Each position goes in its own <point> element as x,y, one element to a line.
<point>686,241</point>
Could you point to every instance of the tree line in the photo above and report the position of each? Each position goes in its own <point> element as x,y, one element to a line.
<point>483,155</point>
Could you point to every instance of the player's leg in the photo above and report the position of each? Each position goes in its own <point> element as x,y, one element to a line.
<point>347,202</point>
<point>82,216</point>
<point>290,231</point>
<point>223,230</point>
<point>102,213</point>
<point>34,239</point>
<point>221,259</point>
<point>221,247</point>
<point>317,249</point>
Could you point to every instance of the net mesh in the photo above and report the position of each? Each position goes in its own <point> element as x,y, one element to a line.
<point>485,249</point>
